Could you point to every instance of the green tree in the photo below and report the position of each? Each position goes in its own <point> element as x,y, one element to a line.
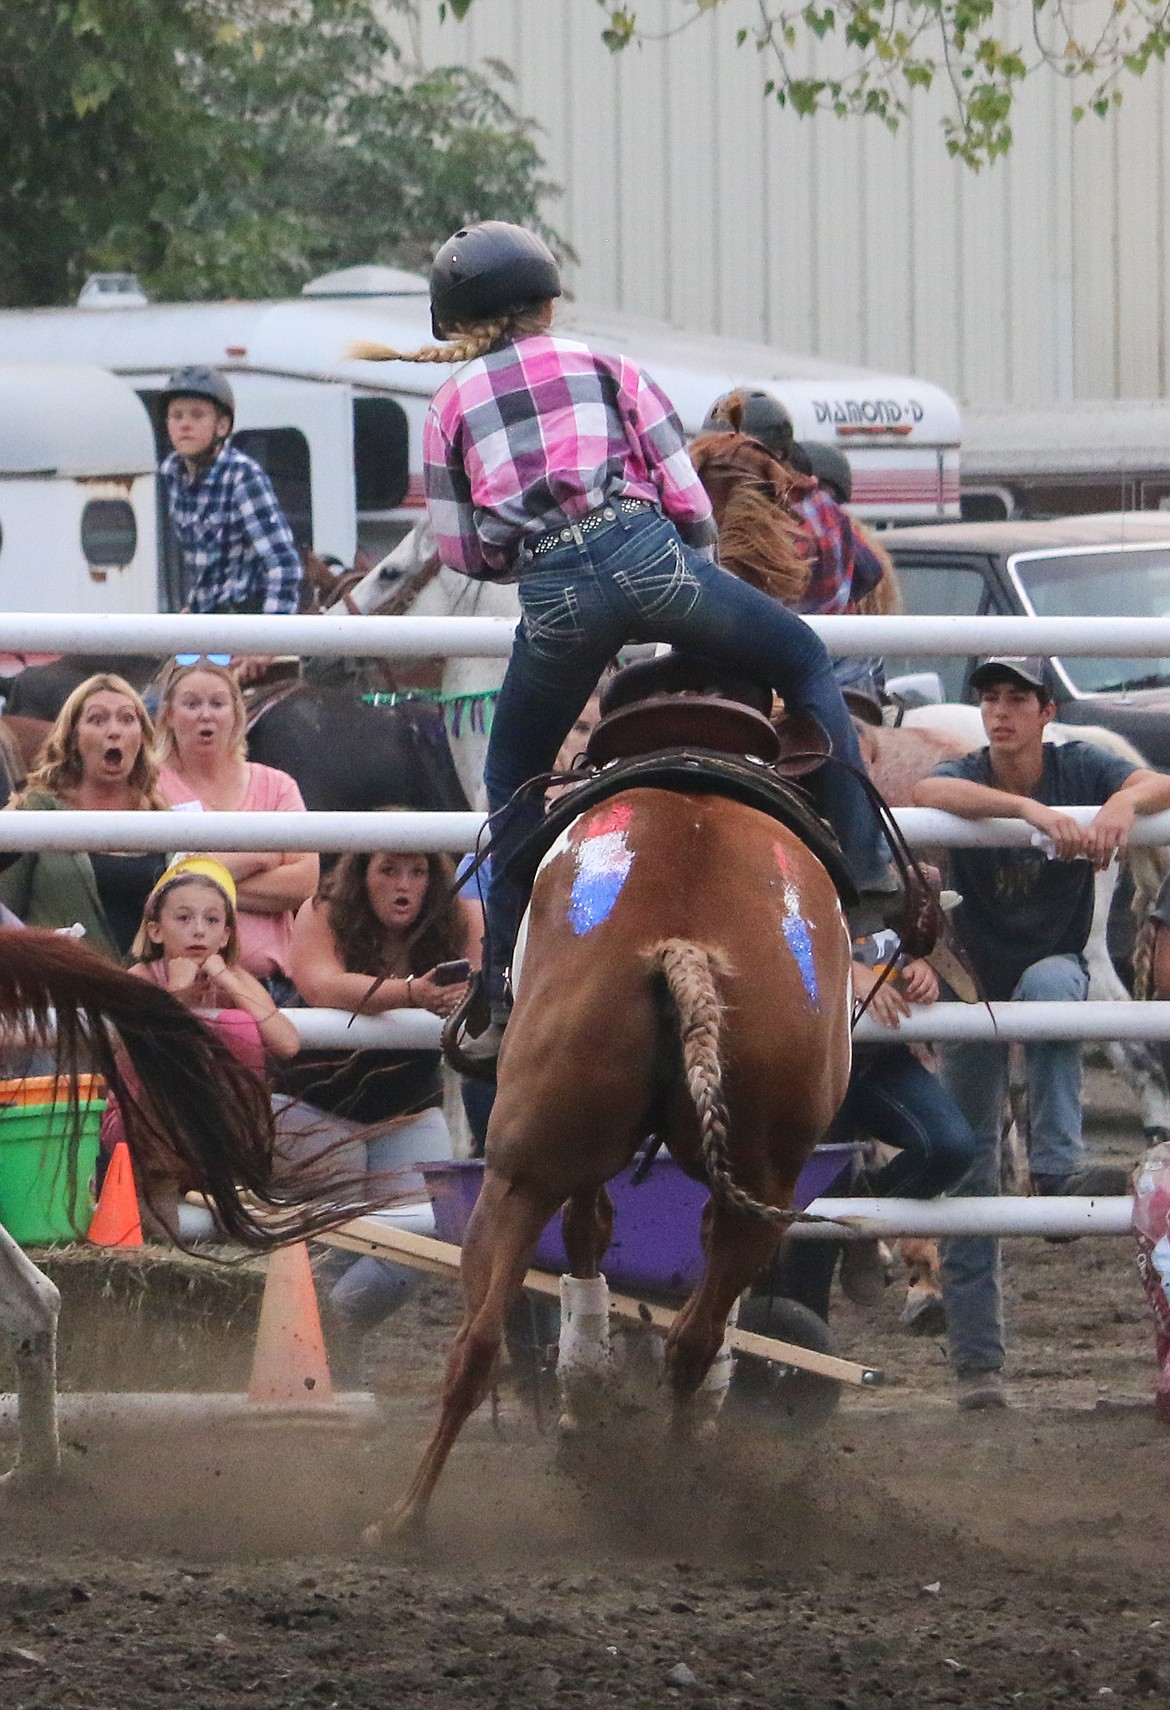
<point>236,147</point>
<point>890,48</point>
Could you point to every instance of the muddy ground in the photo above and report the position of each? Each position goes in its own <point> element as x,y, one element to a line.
<point>909,1555</point>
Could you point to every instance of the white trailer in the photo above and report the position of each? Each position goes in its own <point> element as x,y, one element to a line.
<point>343,440</point>
<point>1068,459</point>
<point>78,529</point>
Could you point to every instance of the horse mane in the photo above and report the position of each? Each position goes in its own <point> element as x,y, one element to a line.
<point>196,1099</point>
<point>761,539</point>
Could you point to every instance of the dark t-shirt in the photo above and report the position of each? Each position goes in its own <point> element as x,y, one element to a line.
<point>1018,906</point>
<point>123,884</point>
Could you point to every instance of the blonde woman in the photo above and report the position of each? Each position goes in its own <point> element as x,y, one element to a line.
<point>99,755</point>
<point>202,747</point>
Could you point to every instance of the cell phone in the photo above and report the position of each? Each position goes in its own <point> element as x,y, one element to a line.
<point>451,973</point>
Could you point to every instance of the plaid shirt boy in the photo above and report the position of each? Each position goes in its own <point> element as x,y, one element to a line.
<point>541,433</point>
<point>238,548</point>
<point>843,567</point>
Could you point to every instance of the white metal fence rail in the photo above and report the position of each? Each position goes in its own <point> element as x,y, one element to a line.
<point>410,832</point>
<point>472,637</point>
<point>433,638</point>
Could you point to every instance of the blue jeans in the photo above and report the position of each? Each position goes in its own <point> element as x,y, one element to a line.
<point>892,1098</point>
<point>368,1290</point>
<point>977,1077</point>
<point>635,580</point>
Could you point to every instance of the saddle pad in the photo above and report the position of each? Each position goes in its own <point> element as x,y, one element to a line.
<point>690,773</point>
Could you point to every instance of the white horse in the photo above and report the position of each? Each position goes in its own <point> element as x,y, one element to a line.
<point>444,593</point>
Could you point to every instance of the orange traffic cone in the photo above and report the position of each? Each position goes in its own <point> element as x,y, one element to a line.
<point>116,1222</point>
<point>289,1368</point>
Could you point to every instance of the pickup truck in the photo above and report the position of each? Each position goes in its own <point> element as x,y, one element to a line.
<point>1107,565</point>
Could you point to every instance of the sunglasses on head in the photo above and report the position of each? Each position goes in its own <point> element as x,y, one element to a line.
<point>211,658</point>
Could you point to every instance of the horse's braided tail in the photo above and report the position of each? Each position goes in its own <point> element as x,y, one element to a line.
<point>691,975</point>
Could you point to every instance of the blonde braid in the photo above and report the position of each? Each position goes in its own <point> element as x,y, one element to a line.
<point>466,341</point>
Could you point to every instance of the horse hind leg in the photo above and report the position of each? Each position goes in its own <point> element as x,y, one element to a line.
<point>501,1236</point>
<point>29,1305</point>
<point>584,1370</point>
<point>698,1362</point>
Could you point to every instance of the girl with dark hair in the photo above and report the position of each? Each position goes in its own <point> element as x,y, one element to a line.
<point>359,929</point>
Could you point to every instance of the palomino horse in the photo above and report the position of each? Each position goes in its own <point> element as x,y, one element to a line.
<point>196,1101</point>
<point>686,972</point>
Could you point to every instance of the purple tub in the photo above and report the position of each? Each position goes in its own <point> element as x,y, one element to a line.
<point>656,1227</point>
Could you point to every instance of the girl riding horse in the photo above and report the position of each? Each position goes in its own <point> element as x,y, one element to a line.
<point>566,469</point>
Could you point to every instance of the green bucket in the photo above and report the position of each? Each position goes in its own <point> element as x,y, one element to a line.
<point>38,1202</point>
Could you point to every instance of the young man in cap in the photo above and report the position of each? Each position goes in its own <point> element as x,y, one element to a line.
<point>237,546</point>
<point>1024,922</point>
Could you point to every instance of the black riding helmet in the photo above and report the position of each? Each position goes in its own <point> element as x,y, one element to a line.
<point>199,382</point>
<point>756,413</point>
<point>493,268</point>
<point>831,468</point>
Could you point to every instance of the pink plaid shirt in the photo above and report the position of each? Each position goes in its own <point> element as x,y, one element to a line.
<point>541,433</point>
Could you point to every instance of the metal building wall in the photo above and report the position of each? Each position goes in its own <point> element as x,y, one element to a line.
<point>690,197</point>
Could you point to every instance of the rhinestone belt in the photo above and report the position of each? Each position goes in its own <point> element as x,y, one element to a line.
<point>535,546</point>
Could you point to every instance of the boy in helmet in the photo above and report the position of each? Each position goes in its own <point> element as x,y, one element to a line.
<point>237,546</point>
<point>565,469</point>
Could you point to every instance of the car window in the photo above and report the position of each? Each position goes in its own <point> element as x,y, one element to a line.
<point>1111,583</point>
<point>940,590</point>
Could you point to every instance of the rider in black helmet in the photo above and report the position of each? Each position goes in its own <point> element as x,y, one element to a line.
<point>237,547</point>
<point>565,469</point>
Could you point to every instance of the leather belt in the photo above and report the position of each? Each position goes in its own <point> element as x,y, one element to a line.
<point>537,545</point>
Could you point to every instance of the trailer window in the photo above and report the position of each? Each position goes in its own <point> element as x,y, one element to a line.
<point>283,454</point>
<point>381,454</point>
<point>109,533</point>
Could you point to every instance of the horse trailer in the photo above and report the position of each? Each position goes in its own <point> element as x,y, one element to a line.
<point>342,440</point>
<point>1066,460</point>
<point>78,504</point>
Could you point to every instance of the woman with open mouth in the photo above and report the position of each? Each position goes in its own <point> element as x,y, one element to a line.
<point>98,756</point>
<point>203,747</point>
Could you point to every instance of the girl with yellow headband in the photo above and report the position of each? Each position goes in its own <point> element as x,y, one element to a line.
<point>189,944</point>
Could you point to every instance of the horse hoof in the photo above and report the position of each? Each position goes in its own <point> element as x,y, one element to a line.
<point>923,1314</point>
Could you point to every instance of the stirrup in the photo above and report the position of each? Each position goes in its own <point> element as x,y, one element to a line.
<point>471,1020</point>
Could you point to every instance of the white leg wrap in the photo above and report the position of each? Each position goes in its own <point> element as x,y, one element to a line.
<point>714,1387</point>
<point>583,1353</point>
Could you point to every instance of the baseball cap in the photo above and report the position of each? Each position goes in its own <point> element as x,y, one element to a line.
<point>1031,669</point>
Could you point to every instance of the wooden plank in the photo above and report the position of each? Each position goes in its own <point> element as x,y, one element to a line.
<point>441,1258</point>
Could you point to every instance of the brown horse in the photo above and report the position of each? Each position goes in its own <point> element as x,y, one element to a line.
<point>686,972</point>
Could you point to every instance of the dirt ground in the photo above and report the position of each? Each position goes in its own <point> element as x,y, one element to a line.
<point>906,1556</point>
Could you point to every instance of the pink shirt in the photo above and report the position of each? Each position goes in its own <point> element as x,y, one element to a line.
<point>265,939</point>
